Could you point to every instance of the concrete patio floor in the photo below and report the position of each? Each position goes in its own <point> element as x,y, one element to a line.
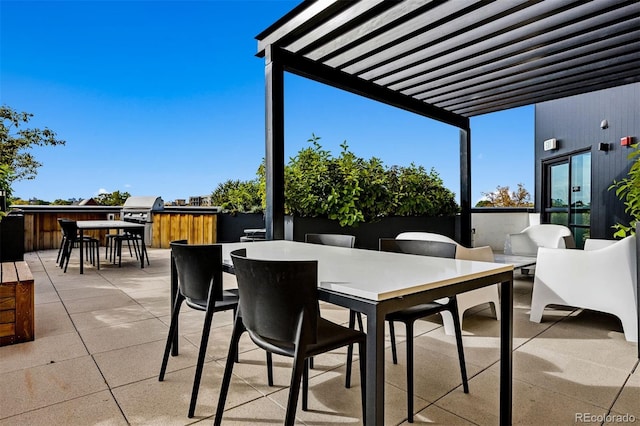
<point>100,337</point>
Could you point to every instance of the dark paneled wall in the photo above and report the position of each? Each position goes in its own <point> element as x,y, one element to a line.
<point>575,123</point>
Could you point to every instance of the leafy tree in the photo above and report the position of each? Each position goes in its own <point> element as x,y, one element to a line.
<point>421,193</point>
<point>61,202</point>
<point>19,202</point>
<point>32,202</point>
<point>628,190</point>
<point>15,142</point>
<point>238,196</point>
<point>115,198</point>
<point>484,203</point>
<point>6,174</point>
<point>502,197</point>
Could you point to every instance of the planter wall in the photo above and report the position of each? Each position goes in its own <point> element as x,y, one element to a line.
<point>231,226</point>
<point>367,234</point>
<point>12,238</point>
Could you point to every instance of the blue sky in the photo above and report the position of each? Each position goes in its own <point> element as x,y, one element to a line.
<point>167,98</point>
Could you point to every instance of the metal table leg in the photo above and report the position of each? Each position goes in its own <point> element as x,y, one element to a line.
<point>81,251</point>
<point>375,368</point>
<point>506,351</point>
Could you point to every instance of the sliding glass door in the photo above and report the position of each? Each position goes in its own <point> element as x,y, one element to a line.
<point>567,198</point>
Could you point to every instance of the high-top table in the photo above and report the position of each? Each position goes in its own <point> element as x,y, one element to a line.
<point>84,225</point>
<point>376,283</point>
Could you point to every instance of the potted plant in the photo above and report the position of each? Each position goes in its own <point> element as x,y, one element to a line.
<point>628,190</point>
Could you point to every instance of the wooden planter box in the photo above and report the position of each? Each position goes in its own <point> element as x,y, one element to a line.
<point>367,234</point>
<point>16,303</point>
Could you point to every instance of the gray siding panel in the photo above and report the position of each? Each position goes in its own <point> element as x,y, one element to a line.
<point>575,122</point>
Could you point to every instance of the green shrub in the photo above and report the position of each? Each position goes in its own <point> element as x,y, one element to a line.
<point>628,190</point>
<point>420,193</point>
<point>238,196</point>
<point>309,181</point>
<point>353,190</point>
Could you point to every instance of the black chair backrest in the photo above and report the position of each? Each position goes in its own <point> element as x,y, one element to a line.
<point>69,229</point>
<point>199,267</point>
<point>276,295</point>
<point>338,240</point>
<point>420,247</point>
<point>60,219</point>
<point>134,231</point>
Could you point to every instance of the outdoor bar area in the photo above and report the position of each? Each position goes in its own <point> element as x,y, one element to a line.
<point>151,314</point>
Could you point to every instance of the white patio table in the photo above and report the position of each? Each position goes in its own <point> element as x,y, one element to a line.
<point>376,283</point>
<point>84,225</point>
<point>524,263</point>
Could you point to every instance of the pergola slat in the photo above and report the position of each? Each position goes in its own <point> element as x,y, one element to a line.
<point>606,80</point>
<point>548,35</point>
<point>519,82</point>
<point>338,25</point>
<point>517,60</point>
<point>380,24</point>
<point>439,40</point>
<point>395,37</point>
<point>298,22</point>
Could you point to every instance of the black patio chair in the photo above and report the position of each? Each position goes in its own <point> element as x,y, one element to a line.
<point>410,315</point>
<point>337,240</point>
<point>199,274</point>
<point>113,246</point>
<point>279,309</point>
<point>133,237</point>
<point>71,239</point>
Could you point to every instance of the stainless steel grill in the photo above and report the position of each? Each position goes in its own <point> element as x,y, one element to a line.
<point>140,209</point>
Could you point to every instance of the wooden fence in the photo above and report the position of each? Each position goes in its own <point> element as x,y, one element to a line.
<point>194,227</point>
<point>42,232</point>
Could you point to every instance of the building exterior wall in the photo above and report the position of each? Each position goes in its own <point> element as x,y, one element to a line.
<point>575,123</point>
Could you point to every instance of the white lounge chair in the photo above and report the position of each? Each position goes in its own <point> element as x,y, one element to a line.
<point>469,299</point>
<point>527,241</point>
<point>602,277</point>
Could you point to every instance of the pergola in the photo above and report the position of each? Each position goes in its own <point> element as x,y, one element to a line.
<point>447,60</point>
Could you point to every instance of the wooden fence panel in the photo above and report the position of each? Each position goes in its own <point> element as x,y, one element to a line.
<point>195,228</point>
<point>42,231</point>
